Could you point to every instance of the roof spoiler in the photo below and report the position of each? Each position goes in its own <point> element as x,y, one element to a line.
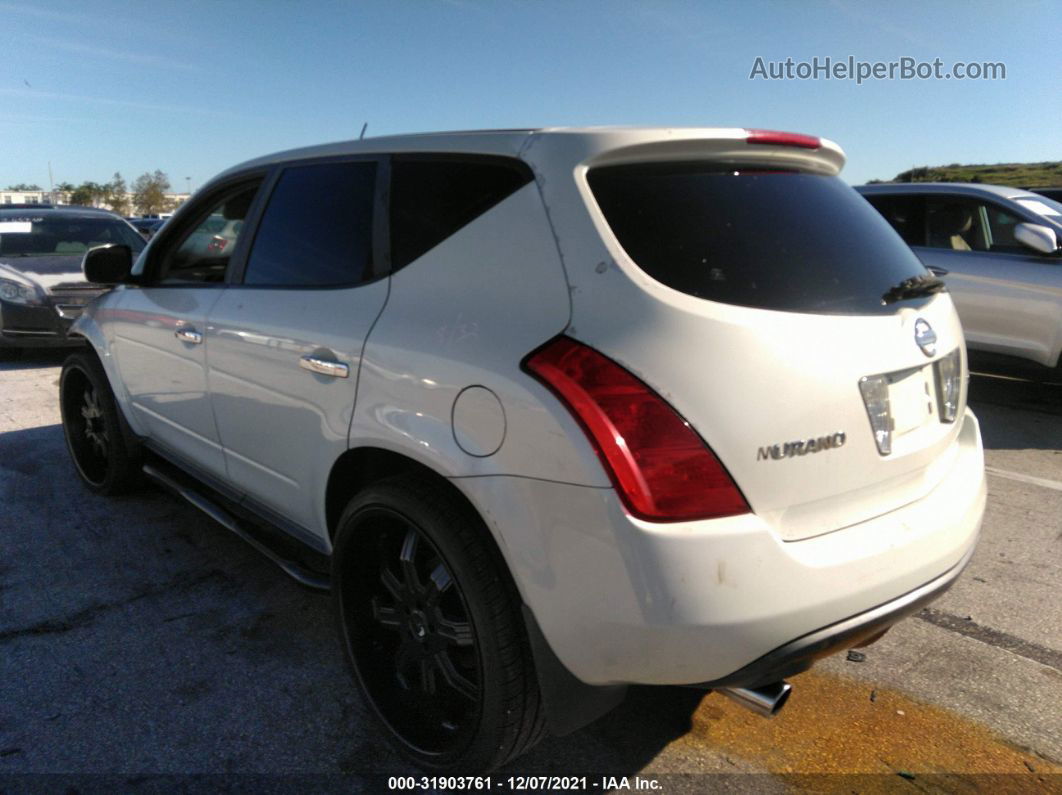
<point>739,146</point>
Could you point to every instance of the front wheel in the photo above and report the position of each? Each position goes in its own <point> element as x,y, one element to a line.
<point>106,455</point>
<point>432,626</point>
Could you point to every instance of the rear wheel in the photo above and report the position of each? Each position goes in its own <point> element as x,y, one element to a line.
<point>105,453</point>
<point>432,626</point>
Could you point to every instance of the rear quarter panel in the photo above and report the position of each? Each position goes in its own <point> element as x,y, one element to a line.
<point>465,314</point>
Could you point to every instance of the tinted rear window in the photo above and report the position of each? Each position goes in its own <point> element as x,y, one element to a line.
<point>317,228</point>
<point>432,198</point>
<point>907,214</point>
<point>785,241</point>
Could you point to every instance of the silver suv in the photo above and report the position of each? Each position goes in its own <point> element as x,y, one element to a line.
<point>997,248</point>
<point>549,411</point>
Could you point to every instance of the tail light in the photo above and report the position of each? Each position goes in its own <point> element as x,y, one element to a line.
<point>782,139</point>
<point>217,244</point>
<point>949,384</point>
<point>662,470</point>
<point>875,391</point>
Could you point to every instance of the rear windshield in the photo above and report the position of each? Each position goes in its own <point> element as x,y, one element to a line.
<point>766,239</point>
<point>56,236</point>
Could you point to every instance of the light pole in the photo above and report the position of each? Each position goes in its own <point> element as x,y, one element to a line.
<point>189,181</point>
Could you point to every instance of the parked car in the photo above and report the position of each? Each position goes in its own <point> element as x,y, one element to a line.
<point>42,288</point>
<point>997,248</point>
<point>550,412</point>
<point>214,235</point>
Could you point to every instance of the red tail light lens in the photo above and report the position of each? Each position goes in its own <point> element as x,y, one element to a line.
<point>661,468</point>
<point>782,139</point>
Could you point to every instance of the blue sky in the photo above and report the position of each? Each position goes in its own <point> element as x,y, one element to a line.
<point>99,86</point>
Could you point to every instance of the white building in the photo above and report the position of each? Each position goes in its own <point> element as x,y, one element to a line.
<point>57,197</point>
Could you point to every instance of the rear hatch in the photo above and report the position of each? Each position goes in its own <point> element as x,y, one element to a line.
<point>778,313</point>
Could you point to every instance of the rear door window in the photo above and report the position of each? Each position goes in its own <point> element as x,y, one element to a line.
<point>906,214</point>
<point>772,240</point>
<point>432,197</point>
<point>317,229</point>
<point>956,223</point>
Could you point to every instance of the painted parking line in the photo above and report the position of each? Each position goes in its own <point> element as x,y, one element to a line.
<point>1004,473</point>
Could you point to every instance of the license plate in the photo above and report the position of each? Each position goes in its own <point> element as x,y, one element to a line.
<point>910,399</point>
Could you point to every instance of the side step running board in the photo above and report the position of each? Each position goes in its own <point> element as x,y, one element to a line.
<point>293,569</point>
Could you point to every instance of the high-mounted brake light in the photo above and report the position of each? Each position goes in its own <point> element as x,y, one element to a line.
<point>662,469</point>
<point>782,139</point>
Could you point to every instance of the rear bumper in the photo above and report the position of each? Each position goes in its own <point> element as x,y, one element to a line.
<point>726,601</point>
<point>799,654</point>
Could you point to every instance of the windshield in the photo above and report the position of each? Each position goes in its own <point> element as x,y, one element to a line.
<point>768,239</point>
<point>1042,206</point>
<point>58,236</point>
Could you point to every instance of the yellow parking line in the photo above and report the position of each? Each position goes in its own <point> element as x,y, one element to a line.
<point>833,725</point>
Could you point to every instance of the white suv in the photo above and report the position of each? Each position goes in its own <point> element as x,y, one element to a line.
<point>550,412</point>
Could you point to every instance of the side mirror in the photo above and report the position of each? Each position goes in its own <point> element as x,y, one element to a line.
<point>1041,239</point>
<point>109,264</point>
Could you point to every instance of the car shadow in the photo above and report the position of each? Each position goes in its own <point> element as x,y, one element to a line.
<point>1020,408</point>
<point>151,575</point>
<point>622,742</point>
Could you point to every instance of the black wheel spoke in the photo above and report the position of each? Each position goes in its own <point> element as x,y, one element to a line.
<point>393,586</point>
<point>386,616</point>
<point>408,558</point>
<point>427,675</point>
<point>457,681</point>
<point>438,583</point>
<point>459,633</point>
<point>406,658</point>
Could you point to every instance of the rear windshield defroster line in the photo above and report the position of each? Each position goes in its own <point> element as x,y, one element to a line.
<point>767,239</point>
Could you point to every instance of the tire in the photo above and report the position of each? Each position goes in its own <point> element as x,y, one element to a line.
<point>105,453</point>
<point>431,624</point>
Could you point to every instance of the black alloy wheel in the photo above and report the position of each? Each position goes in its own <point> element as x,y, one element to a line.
<point>102,447</point>
<point>433,633</point>
<point>420,659</point>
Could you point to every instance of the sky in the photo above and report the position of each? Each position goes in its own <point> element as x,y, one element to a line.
<point>98,86</point>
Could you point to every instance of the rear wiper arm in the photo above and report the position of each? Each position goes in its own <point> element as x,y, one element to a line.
<point>915,287</point>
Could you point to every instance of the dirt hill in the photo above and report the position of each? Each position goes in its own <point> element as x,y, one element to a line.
<point>1025,175</point>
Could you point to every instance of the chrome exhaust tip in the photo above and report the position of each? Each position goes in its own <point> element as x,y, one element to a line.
<point>767,700</point>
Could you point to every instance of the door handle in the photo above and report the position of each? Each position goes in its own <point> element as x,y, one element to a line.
<point>188,334</point>
<point>938,271</point>
<point>315,364</point>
